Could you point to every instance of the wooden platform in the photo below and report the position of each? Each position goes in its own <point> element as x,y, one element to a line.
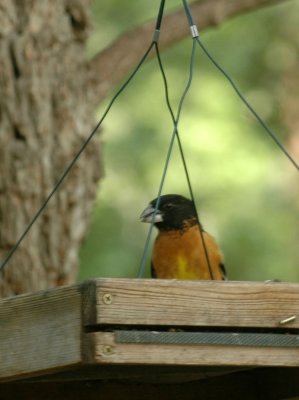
<point>152,337</point>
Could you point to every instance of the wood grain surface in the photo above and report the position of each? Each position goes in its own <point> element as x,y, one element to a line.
<point>108,351</point>
<point>72,327</point>
<point>40,332</point>
<point>192,303</point>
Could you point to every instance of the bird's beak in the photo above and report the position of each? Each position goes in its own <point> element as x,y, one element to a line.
<point>148,215</point>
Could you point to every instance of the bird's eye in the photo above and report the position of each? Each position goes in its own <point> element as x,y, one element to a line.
<point>168,206</point>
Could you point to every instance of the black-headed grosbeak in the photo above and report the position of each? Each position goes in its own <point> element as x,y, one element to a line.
<point>178,251</point>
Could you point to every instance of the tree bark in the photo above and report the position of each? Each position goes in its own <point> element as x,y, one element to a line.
<point>45,113</point>
<point>48,95</point>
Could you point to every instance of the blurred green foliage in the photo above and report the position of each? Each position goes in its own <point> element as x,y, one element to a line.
<point>246,190</point>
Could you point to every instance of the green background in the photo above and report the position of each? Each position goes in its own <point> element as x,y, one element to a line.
<point>245,188</point>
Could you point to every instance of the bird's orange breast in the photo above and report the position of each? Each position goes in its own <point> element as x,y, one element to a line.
<point>181,255</point>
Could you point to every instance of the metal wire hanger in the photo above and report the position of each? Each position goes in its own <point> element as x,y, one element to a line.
<point>175,134</point>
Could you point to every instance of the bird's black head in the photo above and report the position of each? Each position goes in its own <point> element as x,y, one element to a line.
<point>174,212</point>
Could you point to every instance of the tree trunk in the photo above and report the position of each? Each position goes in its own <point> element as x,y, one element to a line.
<point>45,114</point>
<point>48,95</point>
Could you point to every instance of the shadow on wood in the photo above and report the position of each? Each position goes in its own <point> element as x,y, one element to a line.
<point>258,384</point>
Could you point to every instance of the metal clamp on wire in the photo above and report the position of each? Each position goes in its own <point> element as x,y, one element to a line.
<point>194,31</point>
<point>156,35</point>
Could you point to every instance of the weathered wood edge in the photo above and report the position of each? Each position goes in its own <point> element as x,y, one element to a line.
<point>40,332</point>
<point>49,331</point>
<point>192,303</point>
<point>89,294</point>
<point>108,351</point>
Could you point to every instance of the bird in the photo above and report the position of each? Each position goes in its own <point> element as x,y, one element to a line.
<point>178,250</point>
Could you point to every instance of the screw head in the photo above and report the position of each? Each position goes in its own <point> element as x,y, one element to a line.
<point>107,298</point>
<point>107,350</point>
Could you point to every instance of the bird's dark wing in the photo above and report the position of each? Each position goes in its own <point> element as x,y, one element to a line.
<point>153,272</point>
<point>223,272</point>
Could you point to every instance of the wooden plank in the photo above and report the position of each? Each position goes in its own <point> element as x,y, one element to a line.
<point>43,332</point>
<point>40,332</point>
<point>191,303</point>
<point>108,351</point>
<point>262,383</point>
